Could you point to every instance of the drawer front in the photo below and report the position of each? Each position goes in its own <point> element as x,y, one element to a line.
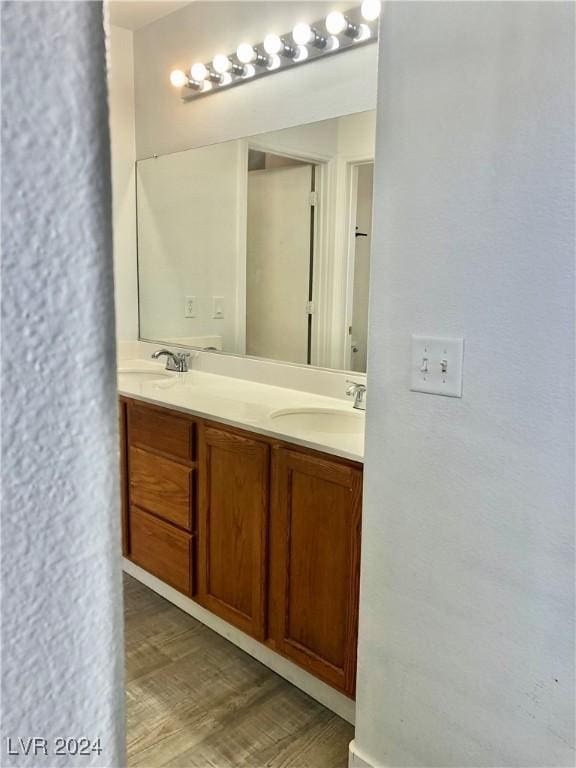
<point>161,486</point>
<point>161,431</point>
<point>161,549</point>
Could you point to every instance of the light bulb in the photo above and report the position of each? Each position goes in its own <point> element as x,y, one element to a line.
<point>370,9</point>
<point>336,22</point>
<point>274,62</point>
<point>178,78</point>
<point>198,72</point>
<point>364,32</point>
<point>246,53</point>
<point>221,64</point>
<point>302,34</point>
<point>301,53</point>
<point>273,44</point>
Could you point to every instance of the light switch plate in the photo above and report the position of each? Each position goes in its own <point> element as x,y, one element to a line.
<point>218,307</point>
<point>190,306</point>
<point>437,365</point>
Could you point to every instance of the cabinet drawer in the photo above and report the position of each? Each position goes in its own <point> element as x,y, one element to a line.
<point>161,549</point>
<point>161,431</point>
<point>161,486</point>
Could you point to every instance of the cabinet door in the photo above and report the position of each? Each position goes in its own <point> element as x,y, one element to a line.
<point>233,527</point>
<point>314,564</point>
<point>162,549</point>
<point>161,486</point>
<point>123,478</point>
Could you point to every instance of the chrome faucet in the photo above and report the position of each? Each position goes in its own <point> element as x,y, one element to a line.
<point>175,361</point>
<point>357,391</point>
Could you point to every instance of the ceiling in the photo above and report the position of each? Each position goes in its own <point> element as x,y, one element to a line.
<point>133,14</point>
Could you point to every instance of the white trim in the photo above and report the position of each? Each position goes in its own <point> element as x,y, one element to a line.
<point>323,226</point>
<point>350,245</point>
<point>315,158</point>
<point>241,228</point>
<point>357,759</point>
<point>323,266</point>
<point>333,700</point>
<point>352,166</point>
<point>344,259</point>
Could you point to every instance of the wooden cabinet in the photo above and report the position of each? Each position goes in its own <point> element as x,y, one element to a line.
<point>314,564</point>
<point>161,492</point>
<point>263,534</point>
<point>161,486</point>
<point>162,549</point>
<point>232,527</point>
<point>124,508</point>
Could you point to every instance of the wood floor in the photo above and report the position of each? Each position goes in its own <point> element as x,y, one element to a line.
<point>195,700</point>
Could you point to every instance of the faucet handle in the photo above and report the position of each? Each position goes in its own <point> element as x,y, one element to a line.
<point>181,359</point>
<point>357,391</point>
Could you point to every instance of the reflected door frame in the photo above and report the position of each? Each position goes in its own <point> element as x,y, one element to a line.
<point>352,186</point>
<point>343,225</point>
<point>324,173</point>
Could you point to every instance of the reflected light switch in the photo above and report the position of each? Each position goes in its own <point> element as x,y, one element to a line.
<point>190,306</point>
<point>218,307</point>
<point>437,365</point>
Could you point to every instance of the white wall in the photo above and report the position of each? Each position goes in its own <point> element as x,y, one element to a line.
<point>316,91</point>
<point>312,140</point>
<point>123,143</point>
<point>466,653</point>
<point>62,649</point>
<point>192,242</point>
<point>356,134</point>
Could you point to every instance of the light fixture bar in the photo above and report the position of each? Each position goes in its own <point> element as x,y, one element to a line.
<point>306,42</point>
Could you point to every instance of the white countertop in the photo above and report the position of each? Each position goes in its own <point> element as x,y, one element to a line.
<point>246,405</point>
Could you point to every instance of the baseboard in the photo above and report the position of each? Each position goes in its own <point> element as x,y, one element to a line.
<point>357,759</point>
<point>333,700</point>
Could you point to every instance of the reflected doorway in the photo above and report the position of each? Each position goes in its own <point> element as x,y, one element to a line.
<point>280,257</point>
<point>360,252</point>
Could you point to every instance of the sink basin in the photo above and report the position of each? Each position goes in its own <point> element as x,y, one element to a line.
<point>319,420</point>
<point>143,380</point>
<point>144,375</point>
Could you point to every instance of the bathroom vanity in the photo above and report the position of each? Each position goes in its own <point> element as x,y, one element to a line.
<point>262,532</point>
<point>241,496</point>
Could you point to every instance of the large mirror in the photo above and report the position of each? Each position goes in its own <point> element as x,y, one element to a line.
<point>261,246</point>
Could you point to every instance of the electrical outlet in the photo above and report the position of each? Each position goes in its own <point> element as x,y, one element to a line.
<point>218,307</point>
<point>190,306</point>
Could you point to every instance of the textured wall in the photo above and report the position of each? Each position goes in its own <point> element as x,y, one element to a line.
<point>61,598</point>
<point>466,651</point>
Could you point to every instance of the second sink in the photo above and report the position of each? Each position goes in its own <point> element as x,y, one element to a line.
<point>319,420</point>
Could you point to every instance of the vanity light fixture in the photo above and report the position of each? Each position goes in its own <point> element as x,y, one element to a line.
<point>306,42</point>
<point>276,45</point>
<point>198,72</point>
<point>248,54</point>
<point>304,34</point>
<point>370,9</point>
<point>223,64</point>
<point>338,24</point>
<point>178,78</point>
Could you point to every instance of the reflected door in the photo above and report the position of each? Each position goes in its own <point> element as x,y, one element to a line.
<point>364,182</point>
<point>279,263</point>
